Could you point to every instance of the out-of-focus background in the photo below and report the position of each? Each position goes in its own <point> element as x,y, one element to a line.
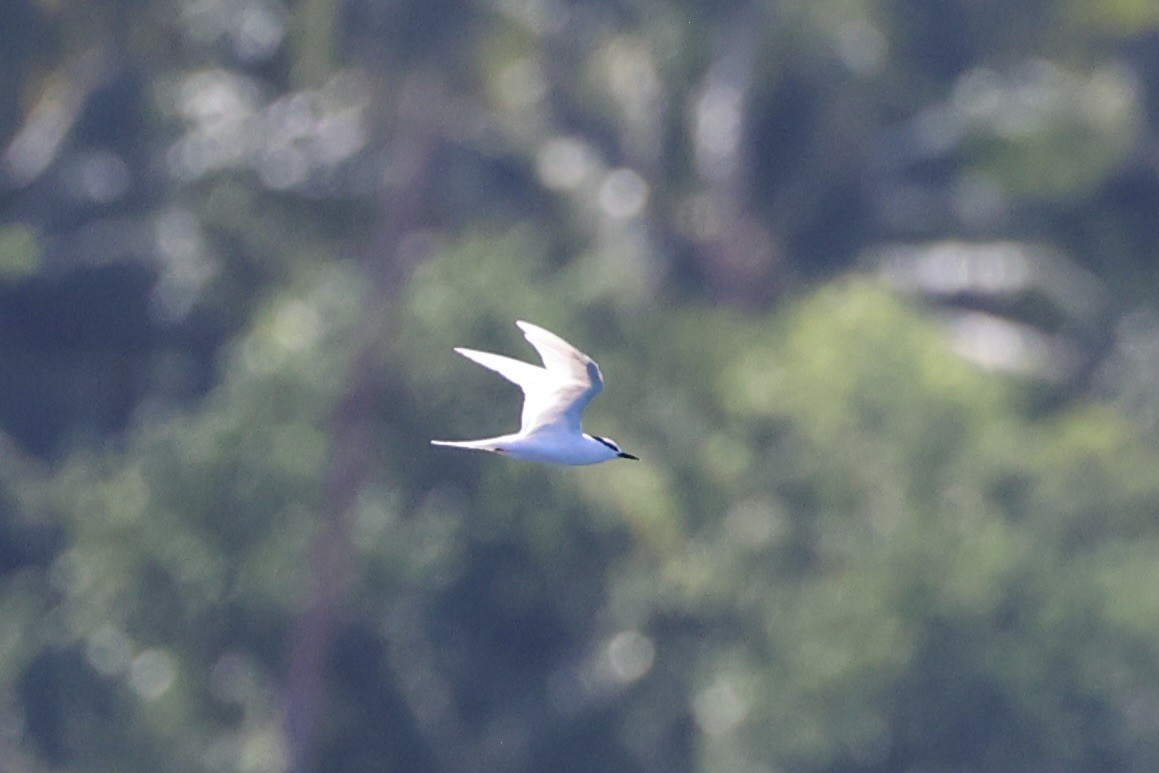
<point>875,288</point>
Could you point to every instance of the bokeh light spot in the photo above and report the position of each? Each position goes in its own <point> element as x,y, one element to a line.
<point>152,673</point>
<point>623,193</point>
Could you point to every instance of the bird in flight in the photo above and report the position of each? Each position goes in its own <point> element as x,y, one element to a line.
<point>554,398</point>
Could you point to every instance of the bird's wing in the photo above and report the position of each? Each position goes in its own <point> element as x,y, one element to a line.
<point>522,374</point>
<point>539,387</point>
<point>573,379</point>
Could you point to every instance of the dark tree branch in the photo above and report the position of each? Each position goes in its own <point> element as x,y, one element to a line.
<point>388,262</point>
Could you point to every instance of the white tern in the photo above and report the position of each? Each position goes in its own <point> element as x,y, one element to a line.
<point>554,398</point>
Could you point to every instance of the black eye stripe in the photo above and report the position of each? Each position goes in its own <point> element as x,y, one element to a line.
<point>606,442</point>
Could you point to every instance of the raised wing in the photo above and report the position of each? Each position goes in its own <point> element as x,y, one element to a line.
<point>532,379</point>
<point>555,394</point>
<point>522,374</point>
<point>559,357</point>
<point>574,380</point>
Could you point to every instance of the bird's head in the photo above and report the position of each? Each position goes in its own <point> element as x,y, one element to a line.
<point>611,444</point>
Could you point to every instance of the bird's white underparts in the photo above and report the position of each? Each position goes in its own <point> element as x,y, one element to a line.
<point>554,398</point>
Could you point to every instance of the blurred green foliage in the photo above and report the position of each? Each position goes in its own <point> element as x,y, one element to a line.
<point>19,254</point>
<point>872,285</point>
